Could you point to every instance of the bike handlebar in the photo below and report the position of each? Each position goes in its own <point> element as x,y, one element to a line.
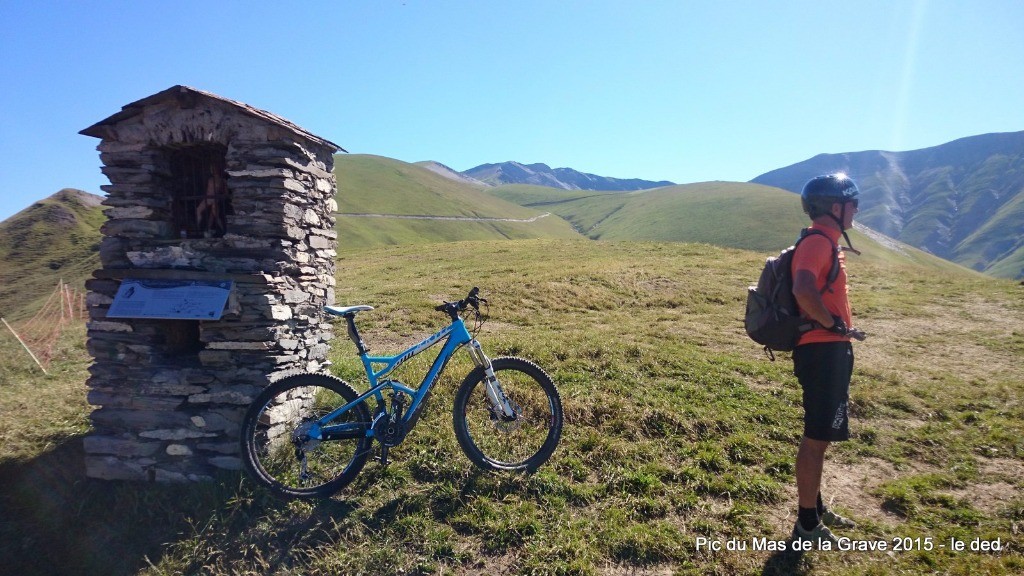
<point>452,309</point>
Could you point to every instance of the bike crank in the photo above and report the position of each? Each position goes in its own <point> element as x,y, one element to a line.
<point>388,431</point>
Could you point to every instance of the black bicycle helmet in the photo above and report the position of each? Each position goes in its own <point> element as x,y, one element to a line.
<point>821,192</point>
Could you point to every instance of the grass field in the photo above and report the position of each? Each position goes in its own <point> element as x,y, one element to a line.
<point>677,429</point>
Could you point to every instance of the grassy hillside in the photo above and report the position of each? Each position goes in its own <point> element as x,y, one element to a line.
<point>53,239</point>
<point>378,185</point>
<point>1011,266</point>
<point>732,214</point>
<point>721,213</point>
<point>997,247</point>
<point>677,428</point>
<point>375,184</point>
<point>363,232</point>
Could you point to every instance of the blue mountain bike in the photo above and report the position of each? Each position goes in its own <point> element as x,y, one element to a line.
<point>309,435</point>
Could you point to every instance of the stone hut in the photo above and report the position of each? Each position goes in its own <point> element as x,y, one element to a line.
<point>205,193</point>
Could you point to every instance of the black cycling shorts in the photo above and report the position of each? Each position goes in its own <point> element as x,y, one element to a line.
<point>824,370</point>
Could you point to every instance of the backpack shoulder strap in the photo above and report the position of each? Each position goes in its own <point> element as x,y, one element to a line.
<point>833,272</point>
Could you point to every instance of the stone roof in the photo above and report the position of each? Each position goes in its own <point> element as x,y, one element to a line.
<point>187,97</point>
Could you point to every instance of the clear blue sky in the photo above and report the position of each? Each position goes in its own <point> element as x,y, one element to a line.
<point>686,91</point>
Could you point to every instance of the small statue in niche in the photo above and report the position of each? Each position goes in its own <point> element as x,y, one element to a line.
<point>210,214</point>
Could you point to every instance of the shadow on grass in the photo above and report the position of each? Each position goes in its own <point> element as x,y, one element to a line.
<point>785,563</point>
<point>55,521</point>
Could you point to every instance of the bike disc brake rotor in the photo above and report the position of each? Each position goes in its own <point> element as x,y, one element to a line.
<point>507,425</point>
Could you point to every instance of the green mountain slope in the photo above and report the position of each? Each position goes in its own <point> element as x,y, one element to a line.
<point>370,187</point>
<point>722,213</point>
<point>375,184</point>
<point>963,200</point>
<point>732,214</point>
<point>56,238</point>
<point>997,246</point>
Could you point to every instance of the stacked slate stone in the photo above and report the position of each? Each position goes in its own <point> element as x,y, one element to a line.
<point>169,394</point>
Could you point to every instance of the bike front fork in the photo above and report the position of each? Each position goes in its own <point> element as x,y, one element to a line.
<point>499,402</point>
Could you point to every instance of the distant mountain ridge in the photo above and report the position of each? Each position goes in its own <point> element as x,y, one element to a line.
<point>564,178</point>
<point>963,200</point>
<point>451,173</point>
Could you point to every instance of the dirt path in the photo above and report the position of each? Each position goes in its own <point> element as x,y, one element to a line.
<point>456,218</point>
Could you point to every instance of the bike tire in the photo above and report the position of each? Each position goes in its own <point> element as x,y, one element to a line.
<point>522,445</point>
<point>272,457</point>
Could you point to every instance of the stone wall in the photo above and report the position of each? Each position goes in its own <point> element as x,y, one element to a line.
<point>169,394</point>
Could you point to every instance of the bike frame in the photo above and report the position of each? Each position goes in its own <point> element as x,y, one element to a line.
<point>457,336</point>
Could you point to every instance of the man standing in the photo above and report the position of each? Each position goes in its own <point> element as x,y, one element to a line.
<point>823,358</point>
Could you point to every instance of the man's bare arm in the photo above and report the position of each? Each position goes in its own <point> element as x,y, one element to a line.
<point>805,290</point>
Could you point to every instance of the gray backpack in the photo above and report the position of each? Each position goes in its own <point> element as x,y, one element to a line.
<point>773,319</point>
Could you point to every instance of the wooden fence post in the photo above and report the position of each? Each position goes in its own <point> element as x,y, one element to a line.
<point>24,345</point>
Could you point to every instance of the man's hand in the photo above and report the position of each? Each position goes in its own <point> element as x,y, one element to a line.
<point>838,326</point>
<point>857,334</point>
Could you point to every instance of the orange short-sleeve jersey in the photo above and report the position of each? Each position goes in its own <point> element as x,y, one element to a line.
<point>814,254</point>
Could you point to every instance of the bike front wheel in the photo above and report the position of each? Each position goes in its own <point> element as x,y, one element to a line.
<point>494,441</point>
<point>282,449</point>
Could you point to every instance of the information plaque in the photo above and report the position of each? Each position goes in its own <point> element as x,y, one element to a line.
<point>171,299</point>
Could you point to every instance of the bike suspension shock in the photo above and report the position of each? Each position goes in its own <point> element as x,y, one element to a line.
<point>500,403</point>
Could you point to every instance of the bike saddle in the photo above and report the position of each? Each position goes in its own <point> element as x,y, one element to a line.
<point>346,310</point>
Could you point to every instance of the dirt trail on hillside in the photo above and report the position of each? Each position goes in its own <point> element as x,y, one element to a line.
<point>456,218</point>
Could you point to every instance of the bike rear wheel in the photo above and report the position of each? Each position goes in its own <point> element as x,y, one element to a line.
<point>278,450</point>
<point>494,442</point>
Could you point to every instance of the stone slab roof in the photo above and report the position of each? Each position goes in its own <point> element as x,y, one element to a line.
<point>187,97</point>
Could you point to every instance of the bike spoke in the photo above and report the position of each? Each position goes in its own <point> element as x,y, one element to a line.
<point>521,441</point>
<point>283,445</point>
